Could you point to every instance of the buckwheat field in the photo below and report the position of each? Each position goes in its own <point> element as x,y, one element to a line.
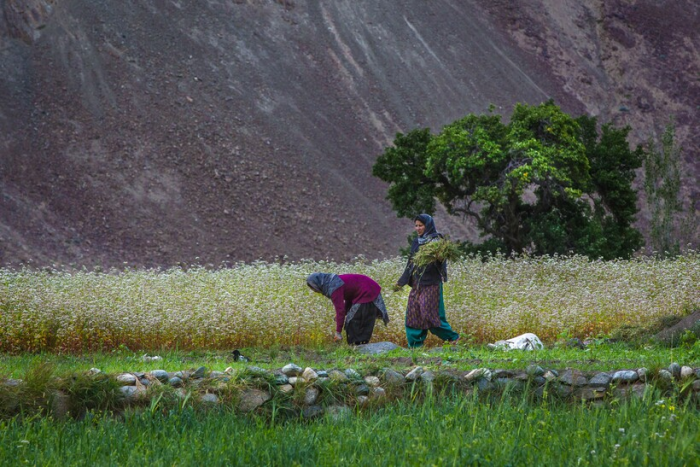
<point>261,304</point>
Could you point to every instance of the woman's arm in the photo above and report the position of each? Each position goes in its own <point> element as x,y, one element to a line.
<point>408,270</point>
<point>339,305</point>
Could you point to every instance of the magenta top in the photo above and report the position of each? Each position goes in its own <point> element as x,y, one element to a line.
<point>356,289</point>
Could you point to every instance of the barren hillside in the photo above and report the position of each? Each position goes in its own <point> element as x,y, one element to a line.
<point>155,132</point>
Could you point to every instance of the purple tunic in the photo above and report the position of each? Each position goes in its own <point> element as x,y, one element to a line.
<point>357,289</point>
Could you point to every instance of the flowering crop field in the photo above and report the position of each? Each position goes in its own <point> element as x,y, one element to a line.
<point>264,304</point>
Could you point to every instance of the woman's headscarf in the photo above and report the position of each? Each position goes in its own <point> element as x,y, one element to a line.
<point>324,283</point>
<point>430,230</point>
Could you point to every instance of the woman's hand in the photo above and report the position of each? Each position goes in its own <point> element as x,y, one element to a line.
<point>337,337</point>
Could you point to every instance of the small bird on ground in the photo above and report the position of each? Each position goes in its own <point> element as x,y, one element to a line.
<point>239,357</point>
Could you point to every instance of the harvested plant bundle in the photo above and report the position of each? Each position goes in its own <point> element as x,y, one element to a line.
<point>437,250</point>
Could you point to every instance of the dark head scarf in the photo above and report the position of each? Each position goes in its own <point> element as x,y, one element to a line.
<point>430,230</point>
<point>324,283</point>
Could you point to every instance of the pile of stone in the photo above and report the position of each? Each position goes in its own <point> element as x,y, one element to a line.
<point>360,390</point>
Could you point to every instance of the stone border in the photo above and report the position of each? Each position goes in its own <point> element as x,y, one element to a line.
<point>306,385</point>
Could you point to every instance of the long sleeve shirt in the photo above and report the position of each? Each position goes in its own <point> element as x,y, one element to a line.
<point>357,288</point>
<point>432,274</point>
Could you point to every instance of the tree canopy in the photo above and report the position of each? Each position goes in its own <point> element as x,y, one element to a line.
<point>544,183</point>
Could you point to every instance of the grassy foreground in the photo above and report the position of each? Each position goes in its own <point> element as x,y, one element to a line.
<point>596,357</point>
<point>458,430</point>
<point>263,304</point>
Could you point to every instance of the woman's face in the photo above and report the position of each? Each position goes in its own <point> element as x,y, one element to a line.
<point>420,228</point>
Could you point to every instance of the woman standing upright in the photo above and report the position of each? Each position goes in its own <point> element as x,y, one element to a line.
<point>426,309</point>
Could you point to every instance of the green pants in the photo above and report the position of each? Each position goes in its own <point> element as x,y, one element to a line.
<point>416,337</point>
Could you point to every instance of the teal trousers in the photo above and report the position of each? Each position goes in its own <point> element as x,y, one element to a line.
<point>416,337</point>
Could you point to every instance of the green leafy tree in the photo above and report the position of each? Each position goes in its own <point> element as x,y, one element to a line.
<point>544,183</point>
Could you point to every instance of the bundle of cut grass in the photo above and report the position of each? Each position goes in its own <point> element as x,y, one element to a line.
<point>437,250</point>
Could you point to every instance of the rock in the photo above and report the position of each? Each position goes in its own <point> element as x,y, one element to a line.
<point>414,374</point>
<point>291,370</point>
<point>13,382</point>
<point>666,376</point>
<point>256,371</point>
<point>590,394</point>
<point>229,370</point>
<point>311,412</point>
<point>372,381</point>
<point>484,385</point>
<point>498,373</point>
<point>309,374</point>
<point>672,334</point>
<point>322,373</point>
<point>132,393</point>
<point>217,374</point>
<point>625,376</point>
<point>311,395</point>
<point>675,370</point>
<point>573,378</point>
<point>378,393</point>
<point>550,375</point>
<point>636,390</point>
<point>362,390</point>
<point>94,371</point>
<point>393,378</point>
<point>696,385</point>
<point>200,372</point>
<point>600,380</point>
<point>145,381</point>
<point>209,398</point>
<point>539,380</point>
<point>362,400</point>
<point>503,383</point>
<point>377,348</point>
<point>161,375</point>
<point>251,399</point>
<point>687,372</point>
<point>286,388</point>
<point>338,413</point>
<point>562,390</point>
<point>642,372</point>
<point>127,379</point>
<point>281,380</point>
<point>534,370</point>
<point>175,382</point>
<point>427,376</point>
<point>60,405</point>
<point>337,376</point>
<point>295,380</point>
<point>352,374</point>
<point>479,373</point>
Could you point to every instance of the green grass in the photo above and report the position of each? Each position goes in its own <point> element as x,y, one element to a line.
<point>457,430</point>
<point>56,325</point>
<point>601,357</point>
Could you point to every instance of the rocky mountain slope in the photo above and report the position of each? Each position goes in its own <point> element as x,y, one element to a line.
<point>156,132</point>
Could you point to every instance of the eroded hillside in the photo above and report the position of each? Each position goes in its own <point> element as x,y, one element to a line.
<point>156,132</point>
